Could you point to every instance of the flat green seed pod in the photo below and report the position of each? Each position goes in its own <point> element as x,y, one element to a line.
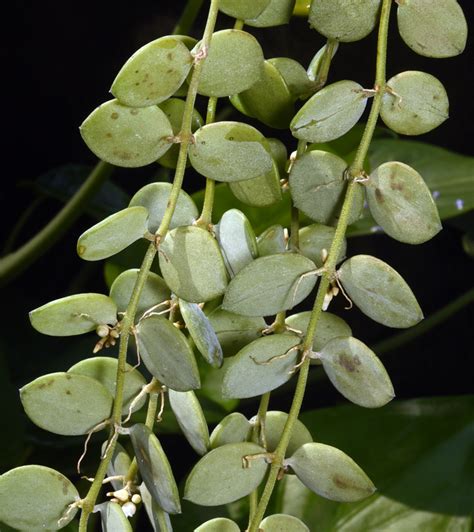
<point>160,520</point>
<point>220,478</point>
<point>191,419</point>
<point>316,237</point>
<point>269,99</point>
<point>192,265</point>
<point>155,468</point>
<point>230,151</point>
<point>234,63</point>
<point>433,29</point>
<point>269,285</point>
<point>202,333</point>
<point>118,465</point>
<point>293,74</point>
<point>380,292</point>
<point>356,372</point>
<point>154,197</point>
<point>127,136</point>
<point>317,186</point>
<point>235,331</point>
<point>154,291</point>
<point>277,13</point>
<point>256,369</point>
<point>112,518</point>
<point>153,73</point>
<point>76,314</point>
<point>282,523</point>
<point>315,64</point>
<point>219,524</point>
<point>330,473</point>
<point>67,404</point>
<point>344,20</point>
<point>402,204</point>
<point>260,191</point>
<point>167,354</point>
<point>174,110</point>
<point>272,241</point>
<point>104,370</point>
<point>234,428</point>
<point>330,113</point>
<point>114,234</point>
<point>237,240</point>
<point>242,9</point>
<point>34,497</point>
<point>415,103</point>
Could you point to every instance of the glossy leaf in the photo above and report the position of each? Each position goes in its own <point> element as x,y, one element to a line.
<point>282,523</point>
<point>277,12</point>
<point>402,204</point>
<point>261,366</point>
<point>259,191</point>
<point>112,518</point>
<point>294,75</point>
<point>234,428</point>
<point>73,315</point>
<point>114,234</point>
<point>220,478</point>
<point>379,291</point>
<point>160,520</point>
<point>272,241</point>
<point>118,465</point>
<point>34,497</point>
<point>66,404</point>
<point>218,524</point>
<point>127,136</point>
<point>155,468</point>
<point>167,354</point>
<point>192,265</point>
<point>153,73</point>
<point>313,239</point>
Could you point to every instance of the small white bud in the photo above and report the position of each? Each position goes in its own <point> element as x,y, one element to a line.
<point>102,331</point>
<point>136,499</point>
<point>129,509</point>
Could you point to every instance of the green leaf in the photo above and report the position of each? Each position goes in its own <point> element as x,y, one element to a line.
<point>272,241</point>
<point>127,136</point>
<point>234,428</point>
<point>234,63</point>
<point>294,75</point>
<point>192,265</point>
<point>190,417</point>
<point>356,372</point>
<point>118,465</point>
<point>155,468</point>
<point>67,404</point>
<point>112,517</point>
<point>315,64</point>
<point>401,203</point>
<point>261,366</point>
<point>219,524</point>
<point>114,234</point>
<point>433,29</point>
<point>104,370</point>
<point>154,512</point>
<point>277,12</point>
<point>220,476</point>
<point>282,523</point>
<point>73,315</point>
<point>314,238</point>
<point>329,472</point>
<point>259,191</point>
<point>167,354</point>
<point>279,153</point>
<point>34,497</point>
<point>380,292</point>
<point>243,8</point>
<point>153,73</point>
<point>269,285</point>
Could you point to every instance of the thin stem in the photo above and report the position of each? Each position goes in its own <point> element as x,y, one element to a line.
<point>20,224</point>
<point>239,24</point>
<point>188,16</point>
<point>323,72</point>
<point>15,263</point>
<point>206,215</point>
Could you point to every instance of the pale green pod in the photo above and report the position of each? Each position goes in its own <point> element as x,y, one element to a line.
<point>402,204</point>
<point>66,404</point>
<point>317,186</point>
<point>261,366</point>
<point>315,238</point>
<point>272,241</point>
<point>344,20</point>
<point>118,465</point>
<point>269,285</point>
<point>114,234</point>
<point>159,519</point>
<point>234,63</point>
<point>191,419</point>
<point>154,197</point>
<point>433,29</point>
<point>414,103</point>
<point>72,315</point>
<point>192,265</point>
<point>112,518</point>
<point>277,13</point>
<point>356,372</point>
<point>234,428</point>
<point>220,476</point>
<point>153,73</point>
<point>155,468</point>
<point>167,354</point>
<point>330,473</point>
<point>260,191</point>
<point>35,497</point>
<point>219,524</point>
<point>294,75</point>
<point>379,291</point>
<point>127,136</point>
<point>330,113</point>
<point>315,64</point>
<point>282,523</point>
<point>242,9</point>
<point>230,151</point>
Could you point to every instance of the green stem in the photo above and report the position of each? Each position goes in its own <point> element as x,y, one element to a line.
<point>20,224</point>
<point>15,263</point>
<point>188,16</point>
<point>239,24</point>
<point>323,72</point>
<point>205,220</point>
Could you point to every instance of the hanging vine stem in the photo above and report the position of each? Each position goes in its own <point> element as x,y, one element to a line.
<point>185,135</point>
<point>355,170</point>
